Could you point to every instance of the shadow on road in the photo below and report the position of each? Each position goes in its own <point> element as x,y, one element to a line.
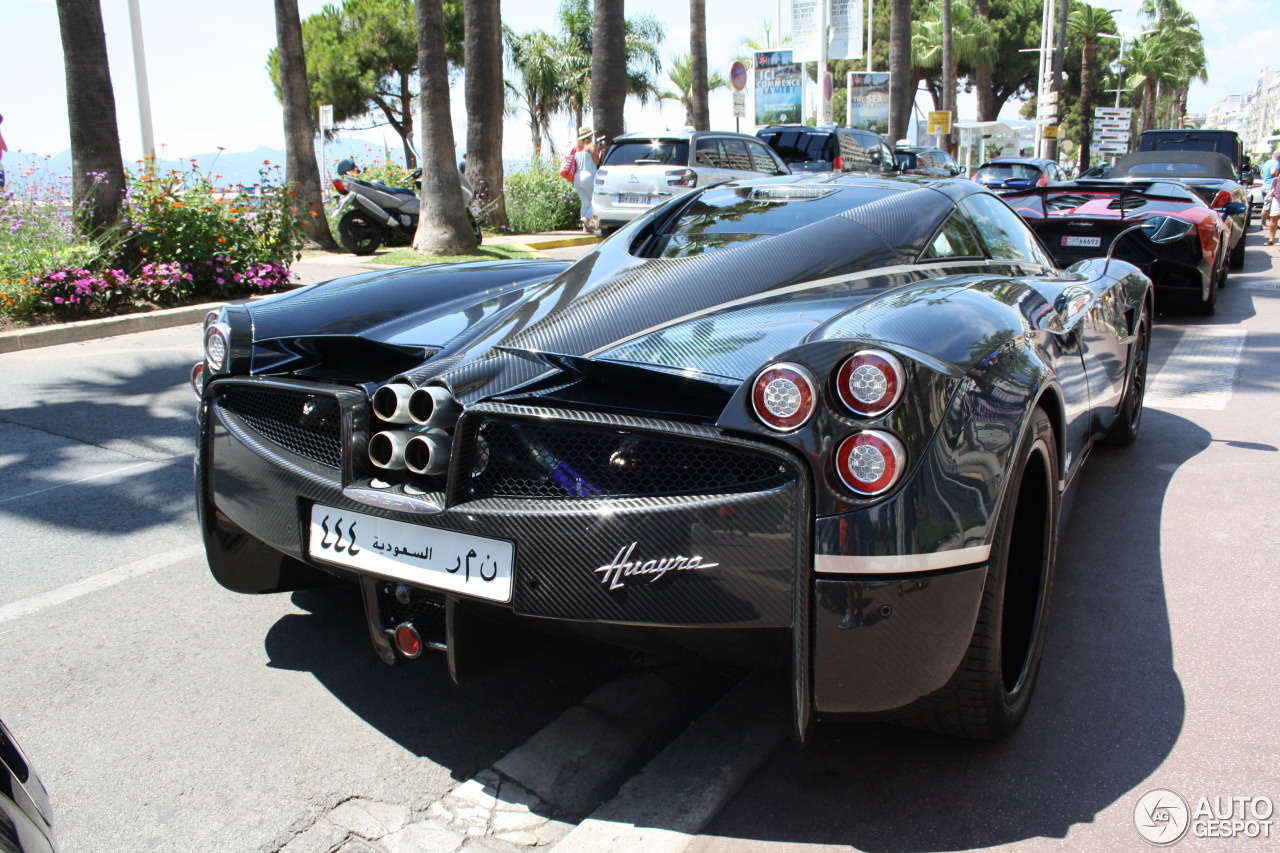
<point>1108,710</point>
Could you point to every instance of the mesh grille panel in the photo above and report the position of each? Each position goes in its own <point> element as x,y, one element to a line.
<point>304,424</point>
<point>514,459</point>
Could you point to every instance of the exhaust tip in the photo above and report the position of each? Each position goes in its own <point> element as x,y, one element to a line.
<point>433,406</point>
<point>391,403</point>
<point>386,449</point>
<point>427,453</point>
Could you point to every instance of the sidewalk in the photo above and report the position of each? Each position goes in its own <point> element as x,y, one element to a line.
<point>320,267</point>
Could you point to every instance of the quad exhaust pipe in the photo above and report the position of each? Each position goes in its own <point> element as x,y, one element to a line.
<point>424,453</point>
<point>424,447</point>
<point>433,406</point>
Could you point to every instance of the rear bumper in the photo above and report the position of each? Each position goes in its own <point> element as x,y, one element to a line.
<point>730,575</point>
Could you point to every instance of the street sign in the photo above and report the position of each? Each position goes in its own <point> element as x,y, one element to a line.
<point>1113,112</point>
<point>1050,131</point>
<point>326,117</point>
<point>739,104</point>
<point>1111,136</point>
<point>1110,124</point>
<point>738,75</point>
<point>939,122</point>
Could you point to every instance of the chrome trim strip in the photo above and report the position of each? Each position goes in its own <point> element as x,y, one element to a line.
<point>890,564</point>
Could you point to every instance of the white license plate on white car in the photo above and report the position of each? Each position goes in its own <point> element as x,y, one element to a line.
<point>1083,242</point>
<point>425,556</point>
<point>637,199</point>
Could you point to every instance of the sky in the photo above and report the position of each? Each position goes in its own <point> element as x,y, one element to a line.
<point>206,68</point>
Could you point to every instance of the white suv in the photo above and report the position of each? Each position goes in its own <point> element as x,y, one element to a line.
<point>641,170</point>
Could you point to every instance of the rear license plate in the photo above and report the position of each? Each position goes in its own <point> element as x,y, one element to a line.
<point>1084,242</point>
<point>636,199</point>
<point>426,556</point>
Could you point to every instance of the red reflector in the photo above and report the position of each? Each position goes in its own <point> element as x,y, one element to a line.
<point>870,462</point>
<point>838,163</point>
<point>339,186</point>
<point>408,641</point>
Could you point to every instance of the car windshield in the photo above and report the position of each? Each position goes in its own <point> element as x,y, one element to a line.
<point>644,152</point>
<point>797,145</point>
<point>1008,172</point>
<point>1186,144</point>
<point>730,216</point>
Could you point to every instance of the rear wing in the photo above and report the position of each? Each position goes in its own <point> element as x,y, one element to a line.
<point>1041,200</point>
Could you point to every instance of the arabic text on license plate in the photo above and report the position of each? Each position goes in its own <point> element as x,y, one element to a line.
<point>1086,242</point>
<point>427,556</point>
<point>635,199</point>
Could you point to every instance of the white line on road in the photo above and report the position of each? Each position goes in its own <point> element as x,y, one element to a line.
<point>97,476</point>
<point>1200,372</point>
<point>63,594</point>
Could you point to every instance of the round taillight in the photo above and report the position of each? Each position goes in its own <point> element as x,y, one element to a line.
<point>408,640</point>
<point>870,462</point>
<point>216,347</point>
<point>783,396</point>
<point>870,382</point>
<point>211,318</point>
<point>197,379</point>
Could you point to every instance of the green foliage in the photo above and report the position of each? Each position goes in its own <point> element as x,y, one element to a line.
<point>538,199</point>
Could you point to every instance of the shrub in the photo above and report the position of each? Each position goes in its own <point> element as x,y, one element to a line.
<point>538,199</point>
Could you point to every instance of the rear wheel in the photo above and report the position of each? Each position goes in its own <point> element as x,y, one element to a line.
<point>989,695</point>
<point>1129,418</point>
<point>1237,254</point>
<point>1208,305</point>
<point>475,226</point>
<point>358,233</point>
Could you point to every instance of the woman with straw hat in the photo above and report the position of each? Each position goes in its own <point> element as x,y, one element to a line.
<point>586,159</point>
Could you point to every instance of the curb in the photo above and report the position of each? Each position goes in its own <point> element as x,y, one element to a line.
<point>104,327</point>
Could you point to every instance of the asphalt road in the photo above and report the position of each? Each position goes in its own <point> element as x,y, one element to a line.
<point>166,714</point>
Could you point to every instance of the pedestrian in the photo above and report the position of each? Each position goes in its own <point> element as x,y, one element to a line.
<point>462,166</point>
<point>586,159</point>
<point>1268,172</point>
<point>3,148</point>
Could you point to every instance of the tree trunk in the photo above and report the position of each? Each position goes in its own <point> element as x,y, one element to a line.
<point>902,88</point>
<point>608,68</point>
<point>982,73</point>
<point>442,224</point>
<point>97,170</point>
<point>699,98</point>
<point>299,146</point>
<point>1087,62</point>
<point>1149,103</point>
<point>948,71</point>
<point>484,96</point>
<point>406,124</point>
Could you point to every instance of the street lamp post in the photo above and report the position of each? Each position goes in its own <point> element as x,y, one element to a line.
<point>140,74</point>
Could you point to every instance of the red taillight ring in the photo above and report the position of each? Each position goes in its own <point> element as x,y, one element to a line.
<point>870,463</point>
<point>870,382</point>
<point>408,640</point>
<point>784,396</point>
<point>217,348</point>
<point>197,379</point>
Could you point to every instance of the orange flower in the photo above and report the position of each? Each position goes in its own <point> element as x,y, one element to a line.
<point>178,204</point>
<point>222,239</point>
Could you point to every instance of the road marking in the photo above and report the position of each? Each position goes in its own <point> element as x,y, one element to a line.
<point>1200,372</point>
<point>63,594</point>
<point>112,472</point>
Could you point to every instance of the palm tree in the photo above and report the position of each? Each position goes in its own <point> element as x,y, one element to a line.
<point>748,45</point>
<point>948,67</point>
<point>698,110</point>
<point>970,38</point>
<point>442,224</point>
<point>536,58</point>
<point>1152,60</point>
<point>97,171</point>
<point>299,135</point>
<point>608,67</point>
<point>484,99</point>
<point>1085,24</point>
<point>902,82</point>
<point>681,74</point>
<point>982,68</point>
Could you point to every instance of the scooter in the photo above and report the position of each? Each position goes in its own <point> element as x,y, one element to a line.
<point>372,213</point>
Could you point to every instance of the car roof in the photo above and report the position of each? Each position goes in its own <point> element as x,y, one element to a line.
<point>1028,161</point>
<point>681,134</point>
<point>1216,165</point>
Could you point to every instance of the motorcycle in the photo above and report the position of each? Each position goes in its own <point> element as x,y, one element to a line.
<point>372,213</point>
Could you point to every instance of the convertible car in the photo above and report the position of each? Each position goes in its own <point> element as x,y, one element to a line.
<point>823,422</point>
<point>1085,218</point>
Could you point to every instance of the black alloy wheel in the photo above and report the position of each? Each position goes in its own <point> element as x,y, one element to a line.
<point>1237,254</point>
<point>475,227</point>
<point>359,233</point>
<point>1129,419</point>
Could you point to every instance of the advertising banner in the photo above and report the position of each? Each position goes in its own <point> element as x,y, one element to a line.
<point>845,26</point>
<point>779,87</point>
<point>868,104</point>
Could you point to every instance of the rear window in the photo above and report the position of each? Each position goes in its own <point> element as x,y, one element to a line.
<point>1168,170</point>
<point>642,152</point>
<point>1008,172</point>
<point>1210,145</point>
<point>728,217</point>
<point>798,145</point>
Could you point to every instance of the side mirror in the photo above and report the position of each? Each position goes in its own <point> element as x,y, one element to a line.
<point>1234,208</point>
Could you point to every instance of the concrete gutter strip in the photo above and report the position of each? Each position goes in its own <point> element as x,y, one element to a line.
<point>105,327</point>
<point>665,806</point>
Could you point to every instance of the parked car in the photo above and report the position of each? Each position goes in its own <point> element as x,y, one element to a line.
<point>26,820</point>
<point>1208,141</point>
<point>641,170</point>
<point>916,160</point>
<point>1102,170</point>
<point>1209,175</point>
<point>1088,218</point>
<point>829,149</point>
<point>1008,174</point>
<point>820,422</point>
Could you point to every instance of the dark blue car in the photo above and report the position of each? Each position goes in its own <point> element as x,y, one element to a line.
<point>1009,174</point>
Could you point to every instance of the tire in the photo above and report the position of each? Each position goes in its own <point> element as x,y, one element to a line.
<point>475,227</point>
<point>989,695</point>
<point>1128,420</point>
<point>1237,254</point>
<point>358,233</point>
<point>1208,306</point>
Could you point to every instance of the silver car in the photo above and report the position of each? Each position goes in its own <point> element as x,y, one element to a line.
<point>641,170</point>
